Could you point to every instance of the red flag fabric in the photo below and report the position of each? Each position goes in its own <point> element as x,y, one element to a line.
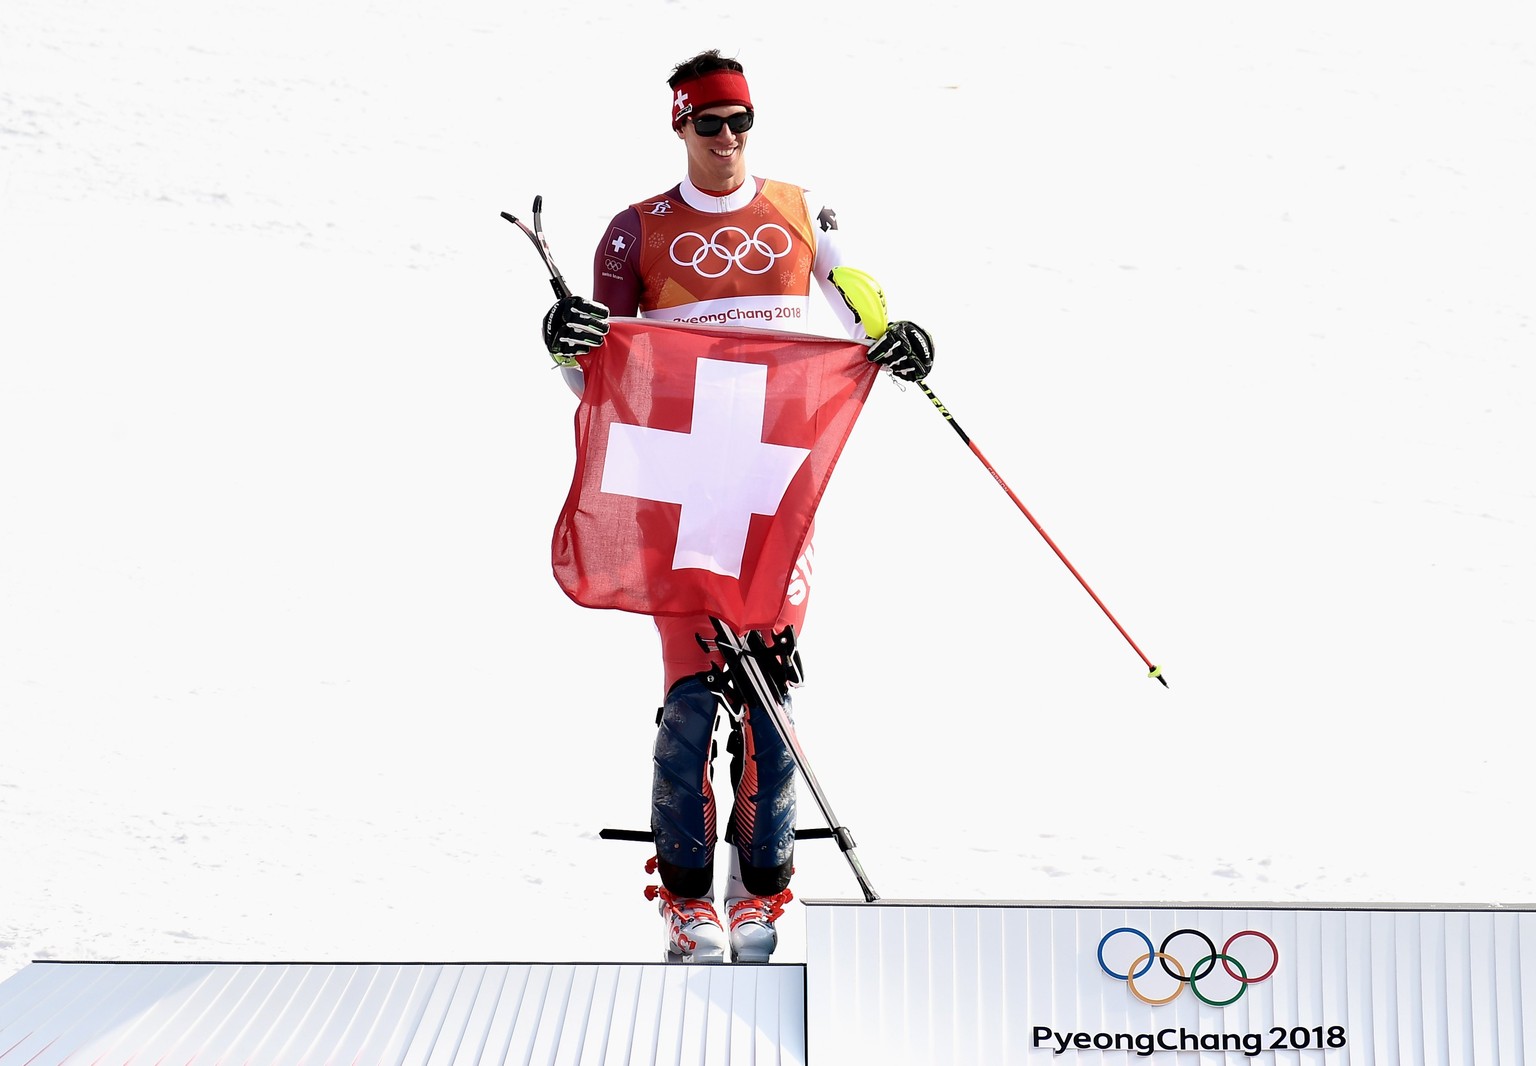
<point>701,455</point>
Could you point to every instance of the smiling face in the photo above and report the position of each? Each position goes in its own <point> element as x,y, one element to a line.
<point>716,164</point>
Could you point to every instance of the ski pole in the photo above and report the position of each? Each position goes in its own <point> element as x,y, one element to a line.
<point>556,280</point>
<point>536,235</point>
<point>738,653</point>
<point>1153,670</point>
<point>866,299</point>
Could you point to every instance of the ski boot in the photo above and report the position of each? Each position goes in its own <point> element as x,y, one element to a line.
<point>751,917</point>
<point>694,932</point>
<point>753,936</point>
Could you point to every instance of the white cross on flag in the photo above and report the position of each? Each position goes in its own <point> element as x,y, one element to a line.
<point>701,455</point>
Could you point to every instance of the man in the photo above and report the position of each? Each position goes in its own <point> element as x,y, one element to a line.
<point>721,247</point>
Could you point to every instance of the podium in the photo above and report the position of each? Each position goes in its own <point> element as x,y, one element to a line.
<point>891,982</point>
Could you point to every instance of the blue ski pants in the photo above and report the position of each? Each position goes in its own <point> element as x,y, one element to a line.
<point>683,809</point>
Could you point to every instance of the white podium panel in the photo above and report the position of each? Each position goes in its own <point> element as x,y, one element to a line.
<point>957,984</point>
<point>284,1014</point>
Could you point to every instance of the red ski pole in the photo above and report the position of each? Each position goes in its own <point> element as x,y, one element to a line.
<point>867,301</point>
<point>1152,669</point>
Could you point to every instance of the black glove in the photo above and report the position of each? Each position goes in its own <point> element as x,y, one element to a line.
<point>574,326</point>
<point>905,349</point>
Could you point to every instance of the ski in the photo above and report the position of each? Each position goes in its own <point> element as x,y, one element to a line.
<point>768,670</point>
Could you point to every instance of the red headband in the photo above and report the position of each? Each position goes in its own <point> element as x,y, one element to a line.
<point>715,89</point>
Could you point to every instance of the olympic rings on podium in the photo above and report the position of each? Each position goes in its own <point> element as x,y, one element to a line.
<point>1192,977</point>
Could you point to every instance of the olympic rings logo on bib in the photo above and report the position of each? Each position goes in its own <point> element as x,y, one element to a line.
<point>754,253</point>
<point>1201,971</point>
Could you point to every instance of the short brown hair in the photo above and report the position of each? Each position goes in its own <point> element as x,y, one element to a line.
<point>701,64</point>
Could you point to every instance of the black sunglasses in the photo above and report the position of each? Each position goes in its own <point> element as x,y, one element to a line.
<point>709,125</point>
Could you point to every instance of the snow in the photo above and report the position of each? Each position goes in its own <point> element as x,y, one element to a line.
<point>1238,303</point>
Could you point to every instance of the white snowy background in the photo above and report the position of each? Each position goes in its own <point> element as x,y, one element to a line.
<point>1236,297</point>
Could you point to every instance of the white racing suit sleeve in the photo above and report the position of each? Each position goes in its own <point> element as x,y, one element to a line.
<point>829,254</point>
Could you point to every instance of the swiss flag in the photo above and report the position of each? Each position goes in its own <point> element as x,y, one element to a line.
<point>701,455</point>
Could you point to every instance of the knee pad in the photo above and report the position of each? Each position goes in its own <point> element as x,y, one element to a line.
<point>762,825</point>
<point>682,798</point>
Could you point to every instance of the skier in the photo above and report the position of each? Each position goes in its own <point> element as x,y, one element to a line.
<point>721,247</point>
